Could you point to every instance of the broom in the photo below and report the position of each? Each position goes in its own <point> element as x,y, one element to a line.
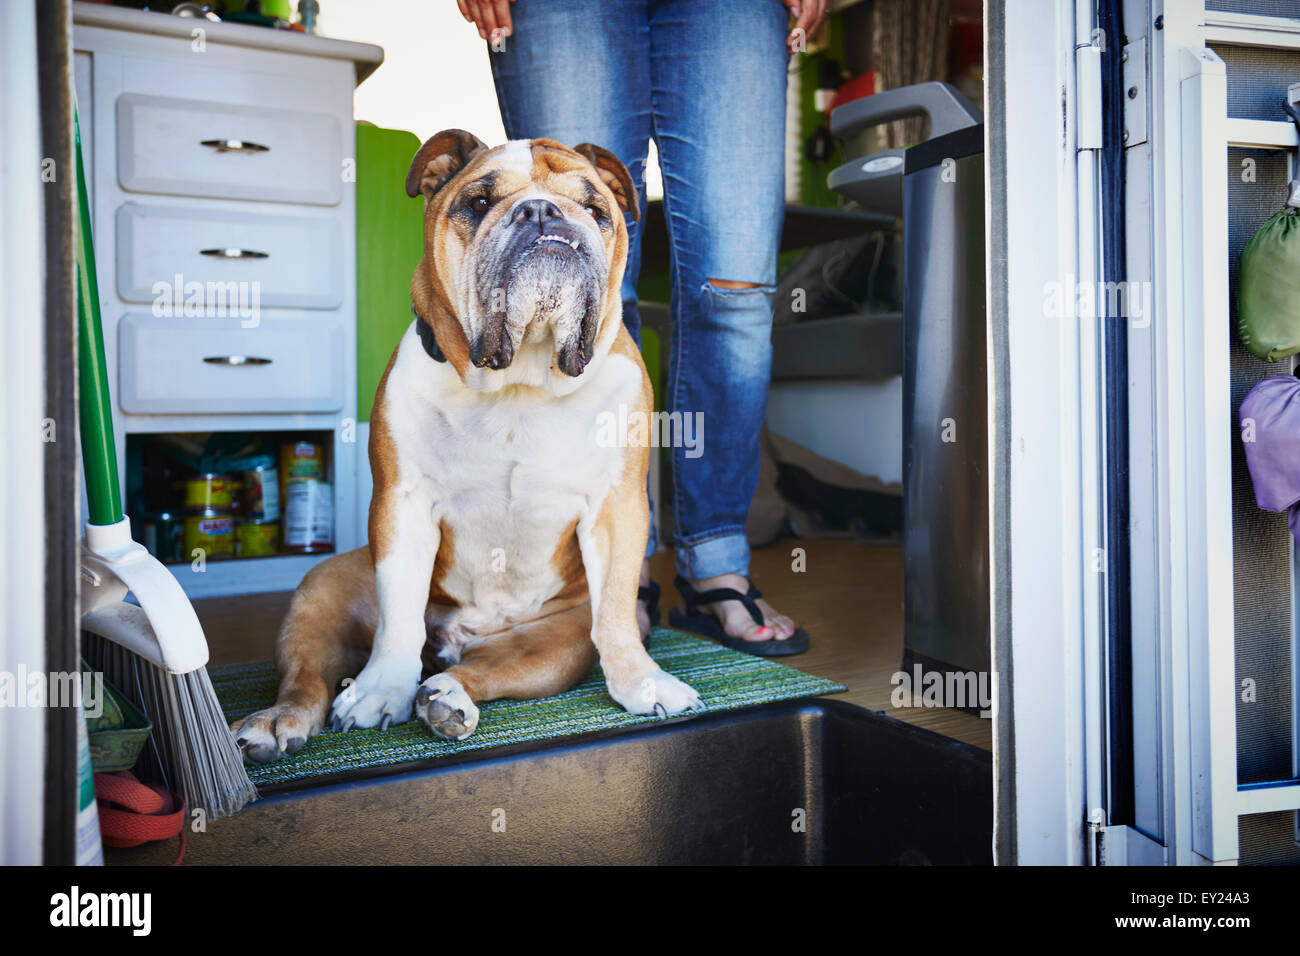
<point>153,650</point>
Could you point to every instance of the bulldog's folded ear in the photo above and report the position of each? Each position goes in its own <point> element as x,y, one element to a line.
<point>441,157</point>
<point>615,175</point>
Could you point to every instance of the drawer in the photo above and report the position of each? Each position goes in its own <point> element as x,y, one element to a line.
<point>187,365</point>
<point>193,254</point>
<point>227,151</point>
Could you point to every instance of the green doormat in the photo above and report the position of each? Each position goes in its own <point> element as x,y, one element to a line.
<point>725,679</point>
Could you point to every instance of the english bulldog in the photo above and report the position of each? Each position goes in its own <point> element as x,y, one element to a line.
<point>506,534</point>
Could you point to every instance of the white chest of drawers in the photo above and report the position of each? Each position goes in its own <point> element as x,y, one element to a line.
<point>219,160</point>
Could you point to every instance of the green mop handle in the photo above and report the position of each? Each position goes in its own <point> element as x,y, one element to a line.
<point>98,451</point>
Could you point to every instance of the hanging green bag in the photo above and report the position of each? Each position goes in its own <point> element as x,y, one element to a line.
<point>1268,302</point>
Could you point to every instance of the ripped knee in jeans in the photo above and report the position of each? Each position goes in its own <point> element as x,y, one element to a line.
<point>733,284</point>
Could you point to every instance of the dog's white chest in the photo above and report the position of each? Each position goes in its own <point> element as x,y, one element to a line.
<point>512,472</point>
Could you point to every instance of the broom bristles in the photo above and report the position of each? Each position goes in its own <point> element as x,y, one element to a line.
<point>192,750</point>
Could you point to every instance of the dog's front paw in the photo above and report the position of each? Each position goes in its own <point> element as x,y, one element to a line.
<point>275,732</point>
<point>381,695</point>
<point>443,706</point>
<point>654,692</point>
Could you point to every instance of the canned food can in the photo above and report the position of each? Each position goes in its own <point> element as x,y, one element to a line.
<point>308,516</point>
<point>211,531</point>
<point>209,492</point>
<point>259,495</point>
<point>301,459</point>
<point>257,539</point>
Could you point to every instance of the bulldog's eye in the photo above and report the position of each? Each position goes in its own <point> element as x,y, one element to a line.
<point>479,206</point>
<point>597,213</point>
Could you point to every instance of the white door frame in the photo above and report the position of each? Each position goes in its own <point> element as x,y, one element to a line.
<point>22,404</point>
<point>1045,417</point>
<point>1189,201</point>
<point>1049,753</point>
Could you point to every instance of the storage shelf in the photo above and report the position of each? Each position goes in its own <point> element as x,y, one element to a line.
<point>155,212</point>
<point>246,575</point>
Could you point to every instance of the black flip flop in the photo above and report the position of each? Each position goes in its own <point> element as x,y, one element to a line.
<point>701,622</point>
<point>649,593</point>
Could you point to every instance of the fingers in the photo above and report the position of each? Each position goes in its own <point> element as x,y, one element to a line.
<point>799,31</point>
<point>472,11</point>
<point>820,18</point>
<point>504,21</point>
<point>483,14</point>
<point>494,21</point>
<point>487,19</point>
<point>808,15</point>
<point>805,17</point>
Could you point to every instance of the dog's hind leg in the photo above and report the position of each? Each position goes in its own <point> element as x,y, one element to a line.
<point>325,637</point>
<point>538,659</point>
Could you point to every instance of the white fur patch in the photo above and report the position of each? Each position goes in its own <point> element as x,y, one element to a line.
<point>516,154</point>
<point>509,472</point>
<point>654,692</point>
<point>443,706</point>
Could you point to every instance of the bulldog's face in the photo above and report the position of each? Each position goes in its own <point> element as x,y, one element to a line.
<point>524,249</point>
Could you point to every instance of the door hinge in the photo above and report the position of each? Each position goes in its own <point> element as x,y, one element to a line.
<point>1121,845</point>
<point>1087,61</point>
<point>1133,60</point>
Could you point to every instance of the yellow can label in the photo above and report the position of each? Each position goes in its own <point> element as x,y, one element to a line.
<point>210,491</point>
<point>257,540</point>
<point>213,533</point>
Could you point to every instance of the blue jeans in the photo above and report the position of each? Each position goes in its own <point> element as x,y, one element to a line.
<point>706,81</point>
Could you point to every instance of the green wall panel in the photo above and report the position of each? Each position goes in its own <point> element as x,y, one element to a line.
<point>390,242</point>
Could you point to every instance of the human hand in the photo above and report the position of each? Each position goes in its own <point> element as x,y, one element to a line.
<point>490,16</point>
<point>808,15</point>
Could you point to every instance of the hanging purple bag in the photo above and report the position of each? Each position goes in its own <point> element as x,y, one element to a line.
<point>1270,434</point>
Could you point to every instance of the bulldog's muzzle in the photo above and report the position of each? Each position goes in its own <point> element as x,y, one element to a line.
<point>539,267</point>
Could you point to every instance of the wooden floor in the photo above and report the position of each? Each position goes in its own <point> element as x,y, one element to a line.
<point>849,598</point>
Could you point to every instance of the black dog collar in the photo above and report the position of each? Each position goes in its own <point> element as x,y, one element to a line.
<point>426,337</point>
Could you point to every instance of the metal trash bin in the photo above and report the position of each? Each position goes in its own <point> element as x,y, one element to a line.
<point>938,186</point>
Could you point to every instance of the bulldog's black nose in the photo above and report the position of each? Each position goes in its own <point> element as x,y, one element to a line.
<point>491,351</point>
<point>538,211</point>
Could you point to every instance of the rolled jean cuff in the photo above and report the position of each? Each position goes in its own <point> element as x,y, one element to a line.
<point>726,553</point>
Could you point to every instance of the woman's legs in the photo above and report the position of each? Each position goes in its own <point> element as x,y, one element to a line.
<point>578,71</point>
<point>718,75</point>
<point>713,75</point>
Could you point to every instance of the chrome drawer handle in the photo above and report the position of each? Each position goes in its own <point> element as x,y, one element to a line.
<point>234,146</point>
<point>233,361</point>
<point>233,253</point>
